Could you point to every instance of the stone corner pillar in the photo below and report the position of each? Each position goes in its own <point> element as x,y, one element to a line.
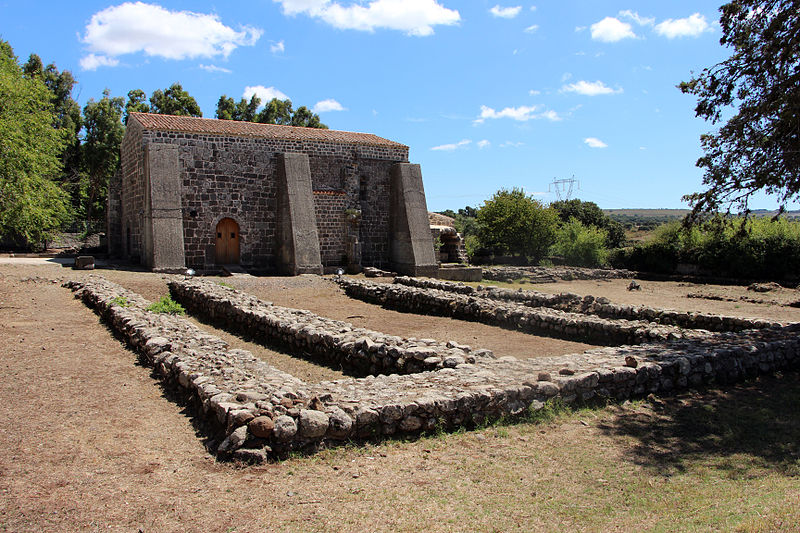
<point>163,239</point>
<point>298,239</point>
<point>410,246</point>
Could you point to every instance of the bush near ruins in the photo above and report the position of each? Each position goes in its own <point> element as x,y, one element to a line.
<point>581,245</point>
<point>515,223</point>
<point>168,306</point>
<point>752,249</point>
<point>589,214</point>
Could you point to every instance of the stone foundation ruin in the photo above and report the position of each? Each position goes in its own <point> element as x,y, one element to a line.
<point>255,411</point>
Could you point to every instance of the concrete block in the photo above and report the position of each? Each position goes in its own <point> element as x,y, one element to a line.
<point>163,236</point>
<point>298,239</point>
<point>84,262</point>
<point>411,251</point>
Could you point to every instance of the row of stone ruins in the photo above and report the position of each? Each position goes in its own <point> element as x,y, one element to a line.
<point>255,411</point>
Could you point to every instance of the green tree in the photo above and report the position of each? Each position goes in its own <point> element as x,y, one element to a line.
<point>590,214</point>
<point>276,112</point>
<point>226,108</point>
<point>757,148</point>
<point>174,101</point>
<point>281,112</point>
<point>137,103</point>
<point>513,222</point>
<point>102,139</point>
<point>305,118</point>
<point>580,244</point>
<point>244,110</point>
<point>66,117</point>
<point>32,205</point>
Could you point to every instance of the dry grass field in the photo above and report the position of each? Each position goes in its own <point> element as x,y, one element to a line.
<point>92,442</point>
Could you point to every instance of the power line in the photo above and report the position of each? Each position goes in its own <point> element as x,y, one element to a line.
<point>564,187</point>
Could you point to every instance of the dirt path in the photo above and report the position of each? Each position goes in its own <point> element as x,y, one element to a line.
<point>92,443</point>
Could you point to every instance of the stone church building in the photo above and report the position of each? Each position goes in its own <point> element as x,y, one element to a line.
<point>203,193</point>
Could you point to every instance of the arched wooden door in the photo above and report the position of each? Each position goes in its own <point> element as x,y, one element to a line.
<point>227,245</point>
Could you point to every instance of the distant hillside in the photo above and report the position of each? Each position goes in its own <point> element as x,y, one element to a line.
<point>647,219</point>
<point>669,214</point>
<point>673,214</point>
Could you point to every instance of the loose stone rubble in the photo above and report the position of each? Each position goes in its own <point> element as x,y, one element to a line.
<point>573,303</point>
<point>536,320</point>
<point>335,343</point>
<point>255,411</point>
<point>540,274</point>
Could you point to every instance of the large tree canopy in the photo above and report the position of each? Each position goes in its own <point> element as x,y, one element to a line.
<point>174,101</point>
<point>513,222</point>
<point>31,204</point>
<point>758,148</point>
<point>103,136</point>
<point>275,112</point>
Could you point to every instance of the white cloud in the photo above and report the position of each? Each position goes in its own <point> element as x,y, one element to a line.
<point>532,28</point>
<point>138,27</point>
<point>534,92</point>
<point>483,144</point>
<point>594,142</point>
<point>521,113</point>
<point>692,26</point>
<point>551,115</point>
<point>634,16</point>
<point>505,12</point>
<point>452,146</point>
<point>265,93</point>
<point>327,105</point>
<point>92,61</point>
<point>214,68</point>
<point>610,30</point>
<point>512,144</point>
<point>589,88</point>
<point>277,48</point>
<point>415,17</point>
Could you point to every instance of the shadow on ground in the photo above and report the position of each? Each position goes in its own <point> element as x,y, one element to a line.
<point>742,429</point>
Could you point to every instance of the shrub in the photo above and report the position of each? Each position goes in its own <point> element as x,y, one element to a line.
<point>168,306</point>
<point>516,223</point>
<point>755,249</point>
<point>121,301</point>
<point>581,245</point>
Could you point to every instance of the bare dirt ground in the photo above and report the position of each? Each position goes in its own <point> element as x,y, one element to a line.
<point>92,442</point>
<point>772,305</point>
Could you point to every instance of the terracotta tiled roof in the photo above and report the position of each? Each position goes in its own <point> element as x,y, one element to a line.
<point>250,129</point>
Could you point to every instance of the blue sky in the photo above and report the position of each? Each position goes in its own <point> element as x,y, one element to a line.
<point>485,94</point>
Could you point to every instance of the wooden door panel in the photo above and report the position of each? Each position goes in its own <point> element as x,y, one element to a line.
<point>227,242</point>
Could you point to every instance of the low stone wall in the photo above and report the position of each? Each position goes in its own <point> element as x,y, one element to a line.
<point>602,307</point>
<point>335,343</point>
<point>255,411</point>
<point>535,320</point>
<point>539,274</point>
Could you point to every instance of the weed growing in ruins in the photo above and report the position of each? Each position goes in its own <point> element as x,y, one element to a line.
<point>121,301</point>
<point>552,409</point>
<point>167,305</point>
<point>223,284</point>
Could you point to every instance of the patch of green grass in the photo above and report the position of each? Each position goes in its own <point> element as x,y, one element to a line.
<point>168,306</point>
<point>223,284</point>
<point>121,301</point>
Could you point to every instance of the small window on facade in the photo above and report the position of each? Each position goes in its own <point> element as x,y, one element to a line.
<point>362,189</point>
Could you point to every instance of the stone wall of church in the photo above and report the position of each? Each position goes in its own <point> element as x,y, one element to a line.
<point>235,177</point>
